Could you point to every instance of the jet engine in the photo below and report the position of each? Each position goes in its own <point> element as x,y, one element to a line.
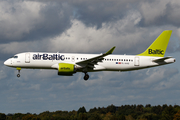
<point>66,69</point>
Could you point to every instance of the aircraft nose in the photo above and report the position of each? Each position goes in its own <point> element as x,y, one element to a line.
<point>7,63</point>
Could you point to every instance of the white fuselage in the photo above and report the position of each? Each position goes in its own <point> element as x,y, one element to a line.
<point>39,60</point>
<point>68,63</point>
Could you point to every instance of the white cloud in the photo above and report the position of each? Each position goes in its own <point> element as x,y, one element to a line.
<point>81,38</point>
<point>18,18</point>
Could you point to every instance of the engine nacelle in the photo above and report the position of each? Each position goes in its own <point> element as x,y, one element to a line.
<point>66,69</point>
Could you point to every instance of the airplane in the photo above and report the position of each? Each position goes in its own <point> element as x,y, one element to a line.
<point>68,64</point>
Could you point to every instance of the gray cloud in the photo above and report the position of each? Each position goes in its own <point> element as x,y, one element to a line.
<point>158,13</point>
<point>95,13</point>
<point>26,20</point>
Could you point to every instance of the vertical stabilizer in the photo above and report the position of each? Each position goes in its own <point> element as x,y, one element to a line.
<point>158,47</point>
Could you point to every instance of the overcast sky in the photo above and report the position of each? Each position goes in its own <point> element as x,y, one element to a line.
<point>93,26</point>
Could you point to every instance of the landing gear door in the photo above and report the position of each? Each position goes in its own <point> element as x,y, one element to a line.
<point>27,58</point>
<point>136,61</point>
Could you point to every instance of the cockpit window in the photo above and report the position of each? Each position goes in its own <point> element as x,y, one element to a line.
<point>15,57</point>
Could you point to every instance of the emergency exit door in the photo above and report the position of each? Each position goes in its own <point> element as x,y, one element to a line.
<point>27,58</point>
<point>136,61</point>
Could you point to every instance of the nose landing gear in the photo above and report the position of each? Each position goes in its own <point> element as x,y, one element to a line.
<point>86,76</point>
<point>18,75</point>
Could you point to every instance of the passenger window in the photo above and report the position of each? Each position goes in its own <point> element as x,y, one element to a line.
<point>15,57</point>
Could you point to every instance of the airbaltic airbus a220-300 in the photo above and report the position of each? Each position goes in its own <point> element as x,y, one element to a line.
<point>67,64</point>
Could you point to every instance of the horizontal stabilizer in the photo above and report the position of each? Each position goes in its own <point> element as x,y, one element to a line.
<point>161,59</point>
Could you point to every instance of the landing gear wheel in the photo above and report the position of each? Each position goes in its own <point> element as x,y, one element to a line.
<point>18,75</point>
<point>86,77</point>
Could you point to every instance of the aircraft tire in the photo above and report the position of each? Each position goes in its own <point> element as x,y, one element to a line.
<point>18,75</point>
<point>86,77</point>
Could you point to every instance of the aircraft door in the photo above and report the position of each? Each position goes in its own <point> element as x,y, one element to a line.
<point>136,61</point>
<point>27,58</point>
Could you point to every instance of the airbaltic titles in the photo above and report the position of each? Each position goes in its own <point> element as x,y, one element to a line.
<point>48,57</point>
<point>157,51</point>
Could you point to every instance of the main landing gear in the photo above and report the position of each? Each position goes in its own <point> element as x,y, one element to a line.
<point>86,76</point>
<point>18,75</point>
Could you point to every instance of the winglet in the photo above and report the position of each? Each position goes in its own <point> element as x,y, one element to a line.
<point>110,51</point>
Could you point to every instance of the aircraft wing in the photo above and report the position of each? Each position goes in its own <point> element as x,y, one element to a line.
<point>161,59</point>
<point>93,61</point>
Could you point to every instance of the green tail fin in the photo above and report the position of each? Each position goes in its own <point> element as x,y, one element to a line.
<point>158,47</point>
